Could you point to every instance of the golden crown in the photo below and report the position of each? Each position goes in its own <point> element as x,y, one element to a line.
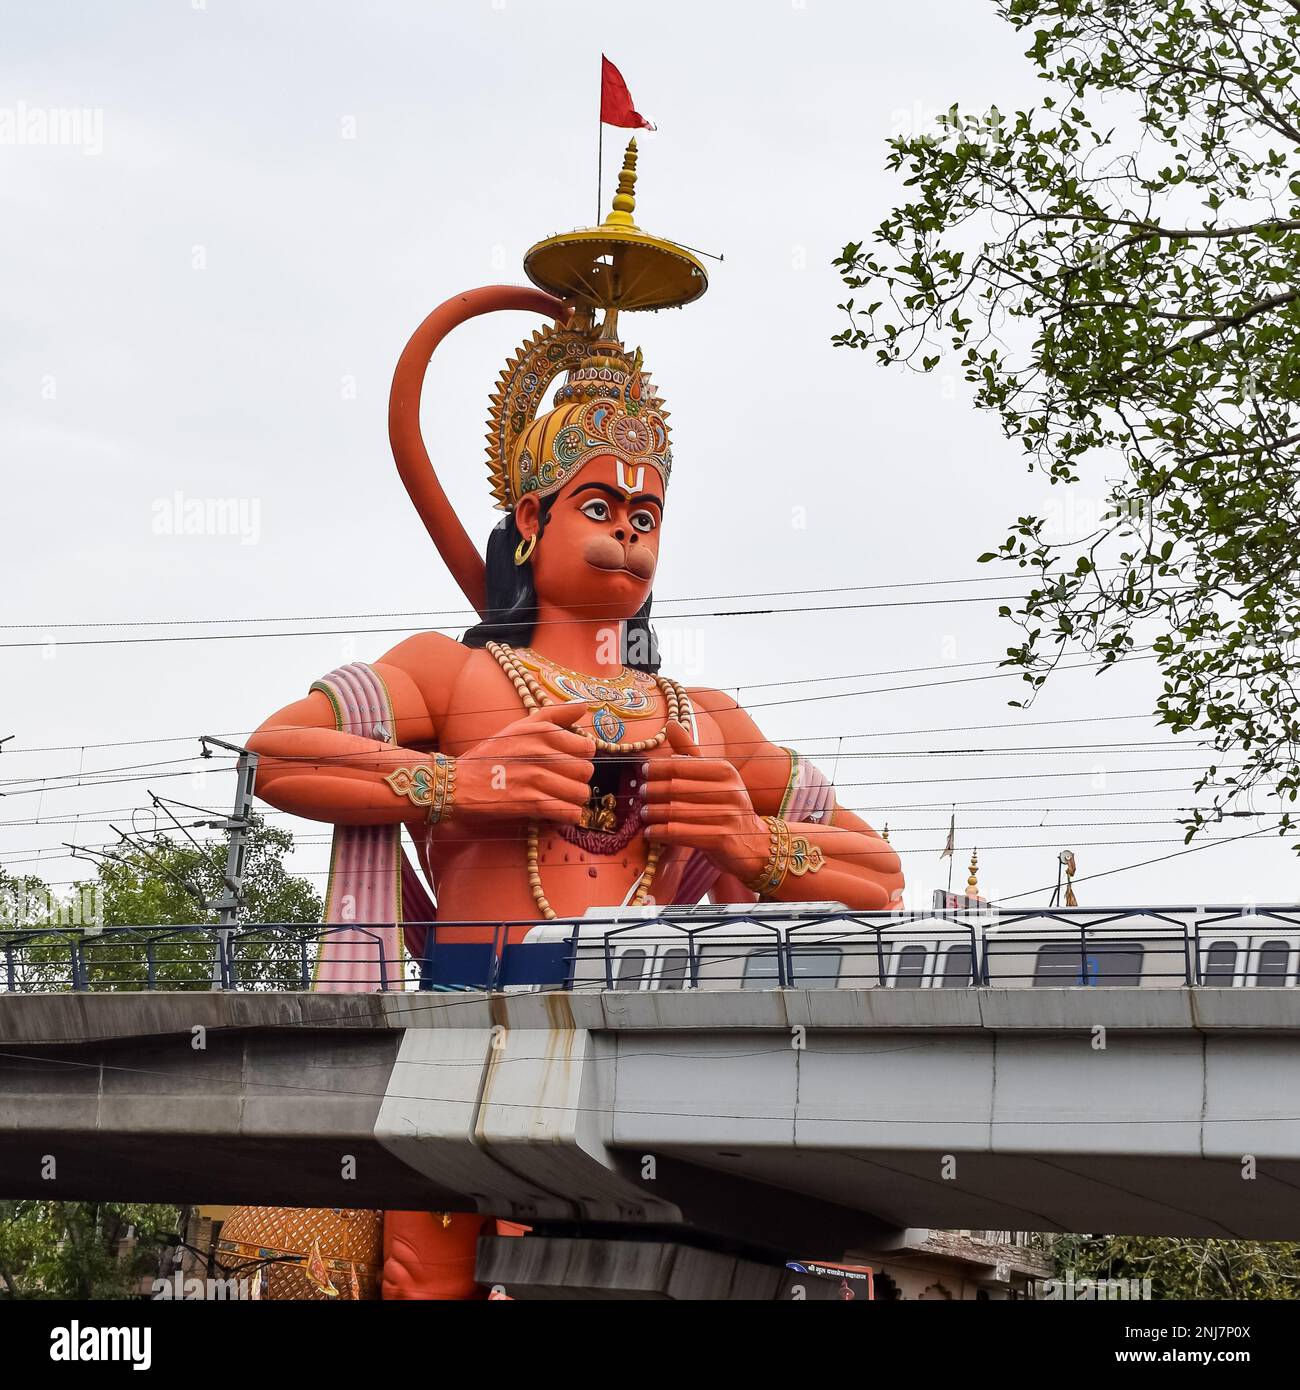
<point>606,406</point>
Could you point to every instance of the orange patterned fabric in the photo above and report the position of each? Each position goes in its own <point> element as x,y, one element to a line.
<point>280,1239</point>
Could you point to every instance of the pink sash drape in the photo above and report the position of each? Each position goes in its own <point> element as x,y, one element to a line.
<point>365,880</point>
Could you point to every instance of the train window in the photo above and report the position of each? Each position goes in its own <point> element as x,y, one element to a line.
<point>631,966</point>
<point>762,971</point>
<point>956,967</point>
<point>1272,963</point>
<point>1058,963</point>
<point>1106,963</point>
<point>1220,963</point>
<point>672,969</point>
<point>1115,962</point>
<point>729,966</point>
<point>815,967</point>
<point>911,967</point>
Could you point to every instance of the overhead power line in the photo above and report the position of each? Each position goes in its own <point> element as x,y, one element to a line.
<point>471,614</point>
<point>510,859</point>
<point>39,852</point>
<point>1037,806</point>
<point>809,738</point>
<point>760,704</point>
<point>1135,747</point>
<point>1144,863</point>
<point>87,780</point>
<point>454,628</point>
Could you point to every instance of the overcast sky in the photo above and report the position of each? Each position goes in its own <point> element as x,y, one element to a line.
<point>208,280</point>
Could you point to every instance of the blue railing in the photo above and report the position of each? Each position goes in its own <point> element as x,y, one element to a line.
<point>762,947</point>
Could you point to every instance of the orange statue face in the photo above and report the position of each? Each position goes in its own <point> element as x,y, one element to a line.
<point>599,548</point>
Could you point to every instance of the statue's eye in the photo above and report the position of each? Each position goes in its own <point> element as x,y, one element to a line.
<point>596,509</point>
<point>643,521</point>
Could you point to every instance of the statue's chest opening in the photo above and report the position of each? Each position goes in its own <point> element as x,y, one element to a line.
<point>612,816</point>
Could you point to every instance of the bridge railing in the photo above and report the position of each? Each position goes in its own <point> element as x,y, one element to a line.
<point>765,946</point>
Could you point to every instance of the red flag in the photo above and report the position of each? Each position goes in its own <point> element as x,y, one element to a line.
<point>616,101</point>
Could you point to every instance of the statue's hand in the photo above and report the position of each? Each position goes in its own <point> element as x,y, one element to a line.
<point>702,803</point>
<point>537,768</point>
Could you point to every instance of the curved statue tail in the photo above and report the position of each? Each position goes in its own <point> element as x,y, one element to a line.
<point>413,462</point>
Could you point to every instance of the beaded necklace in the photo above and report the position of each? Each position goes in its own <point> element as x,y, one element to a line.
<point>532,696</point>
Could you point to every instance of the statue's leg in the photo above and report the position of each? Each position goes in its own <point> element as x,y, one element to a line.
<point>430,1255</point>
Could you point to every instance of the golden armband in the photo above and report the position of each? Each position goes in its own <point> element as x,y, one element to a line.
<point>787,854</point>
<point>432,786</point>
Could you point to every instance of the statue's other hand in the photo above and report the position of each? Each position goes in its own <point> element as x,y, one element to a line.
<point>703,803</point>
<point>538,768</point>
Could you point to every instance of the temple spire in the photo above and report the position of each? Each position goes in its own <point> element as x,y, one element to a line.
<point>620,215</point>
<point>972,882</point>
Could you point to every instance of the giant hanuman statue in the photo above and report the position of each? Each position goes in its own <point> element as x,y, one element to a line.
<point>542,765</point>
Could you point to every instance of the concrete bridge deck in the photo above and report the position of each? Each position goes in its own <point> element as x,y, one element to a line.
<point>823,1119</point>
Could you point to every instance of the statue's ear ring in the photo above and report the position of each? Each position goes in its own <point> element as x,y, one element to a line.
<point>524,549</point>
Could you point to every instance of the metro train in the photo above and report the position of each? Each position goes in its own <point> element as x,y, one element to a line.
<point>828,946</point>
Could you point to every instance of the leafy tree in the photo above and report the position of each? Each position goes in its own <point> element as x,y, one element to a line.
<point>80,1250</point>
<point>164,881</point>
<point>1116,273</point>
<point>1187,1269</point>
<point>97,1250</point>
<point>161,883</point>
<point>156,884</point>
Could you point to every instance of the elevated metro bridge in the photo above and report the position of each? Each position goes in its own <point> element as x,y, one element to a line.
<point>763,1092</point>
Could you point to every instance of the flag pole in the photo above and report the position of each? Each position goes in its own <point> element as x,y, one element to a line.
<point>952,845</point>
<point>600,139</point>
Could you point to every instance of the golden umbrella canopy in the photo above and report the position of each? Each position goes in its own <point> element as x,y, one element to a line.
<point>616,265</point>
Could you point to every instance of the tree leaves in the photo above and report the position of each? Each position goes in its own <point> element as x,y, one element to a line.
<point>1124,295</point>
<point>1185,1269</point>
<point>80,1250</point>
<point>75,1250</point>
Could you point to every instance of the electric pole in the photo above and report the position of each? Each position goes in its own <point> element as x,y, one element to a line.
<point>236,825</point>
